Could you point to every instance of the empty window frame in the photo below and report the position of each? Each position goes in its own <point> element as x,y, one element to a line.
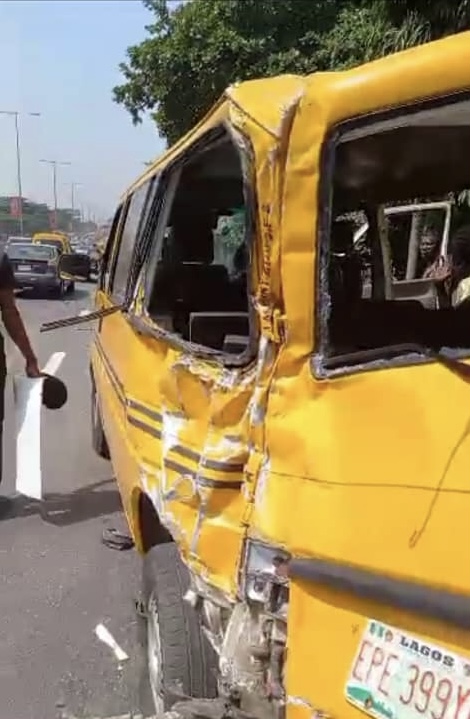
<point>404,286</point>
<point>198,284</point>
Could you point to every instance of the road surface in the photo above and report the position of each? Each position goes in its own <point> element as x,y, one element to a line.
<point>58,581</point>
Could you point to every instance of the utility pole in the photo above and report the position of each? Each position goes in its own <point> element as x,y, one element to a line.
<point>15,114</point>
<point>54,164</point>
<point>73,185</point>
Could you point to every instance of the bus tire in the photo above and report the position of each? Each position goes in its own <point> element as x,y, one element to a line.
<point>98,437</point>
<point>180,659</point>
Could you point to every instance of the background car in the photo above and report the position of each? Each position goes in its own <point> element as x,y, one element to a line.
<point>18,241</point>
<point>36,267</point>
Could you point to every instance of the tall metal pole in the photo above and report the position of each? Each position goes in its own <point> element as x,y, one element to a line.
<point>73,185</point>
<point>54,171</point>
<point>18,169</point>
<point>54,164</point>
<point>15,114</point>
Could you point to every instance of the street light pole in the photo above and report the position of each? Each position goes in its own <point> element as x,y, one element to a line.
<point>54,171</point>
<point>54,164</point>
<point>18,173</point>
<point>15,114</point>
<point>73,185</point>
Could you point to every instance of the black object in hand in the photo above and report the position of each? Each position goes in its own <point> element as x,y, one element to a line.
<point>54,392</point>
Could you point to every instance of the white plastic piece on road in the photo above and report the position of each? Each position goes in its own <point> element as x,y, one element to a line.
<point>28,402</point>
<point>84,313</point>
<point>107,638</point>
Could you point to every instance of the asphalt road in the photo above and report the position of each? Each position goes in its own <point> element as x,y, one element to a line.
<point>58,581</point>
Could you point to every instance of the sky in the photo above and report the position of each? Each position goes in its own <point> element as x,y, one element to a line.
<point>60,58</point>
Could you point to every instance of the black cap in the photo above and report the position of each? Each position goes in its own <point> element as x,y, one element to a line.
<point>54,392</point>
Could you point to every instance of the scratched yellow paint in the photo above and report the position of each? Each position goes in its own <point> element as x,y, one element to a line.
<point>354,463</point>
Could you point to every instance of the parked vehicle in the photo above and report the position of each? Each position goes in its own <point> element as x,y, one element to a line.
<point>18,240</point>
<point>36,267</point>
<point>292,454</point>
<point>58,239</point>
<point>62,242</point>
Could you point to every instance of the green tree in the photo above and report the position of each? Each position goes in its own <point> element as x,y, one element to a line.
<point>195,51</point>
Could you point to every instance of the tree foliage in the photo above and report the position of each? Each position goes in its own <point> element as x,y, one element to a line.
<point>193,52</point>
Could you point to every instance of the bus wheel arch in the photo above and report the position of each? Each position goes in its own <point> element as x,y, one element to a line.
<point>150,529</point>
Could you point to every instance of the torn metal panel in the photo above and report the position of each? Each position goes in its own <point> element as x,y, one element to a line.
<point>217,374</point>
<point>230,446</point>
<point>288,109</point>
<point>258,401</point>
<point>152,485</point>
<point>204,430</point>
<point>263,478</point>
<point>284,92</point>
<point>271,140</point>
<point>172,424</point>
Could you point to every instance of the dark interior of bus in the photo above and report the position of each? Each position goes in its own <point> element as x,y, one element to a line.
<point>200,287</point>
<point>418,155</point>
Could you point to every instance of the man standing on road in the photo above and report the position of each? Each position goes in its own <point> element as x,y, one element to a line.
<point>15,327</point>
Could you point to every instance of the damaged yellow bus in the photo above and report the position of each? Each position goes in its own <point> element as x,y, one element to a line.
<point>286,409</point>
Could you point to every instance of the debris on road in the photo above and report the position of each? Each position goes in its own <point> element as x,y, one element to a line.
<point>114,539</point>
<point>107,638</point>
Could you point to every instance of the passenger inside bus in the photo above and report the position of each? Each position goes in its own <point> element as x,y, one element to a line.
<point>428,252</point>
<point>460,253</point>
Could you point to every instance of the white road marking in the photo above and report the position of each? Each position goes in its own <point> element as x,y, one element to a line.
<point>28,404</point>
<point>107,638</point>
<point>28,400</point>
<point>53,363</point>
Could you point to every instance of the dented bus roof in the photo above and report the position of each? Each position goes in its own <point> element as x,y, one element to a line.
<point>398,79</point>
